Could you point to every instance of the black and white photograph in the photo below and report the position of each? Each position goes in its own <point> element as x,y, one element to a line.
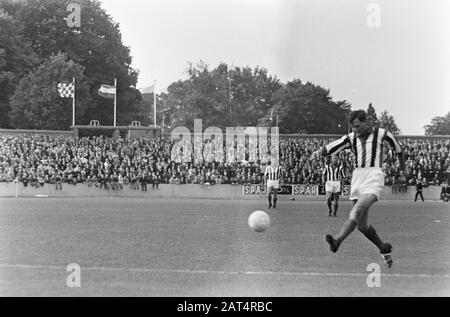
<point>224,153</point>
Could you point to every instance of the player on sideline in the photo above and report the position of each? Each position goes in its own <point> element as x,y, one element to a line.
<point>445,192</point>
<point>367,145</point>
<point>272,176</point>
<point>333,173</point>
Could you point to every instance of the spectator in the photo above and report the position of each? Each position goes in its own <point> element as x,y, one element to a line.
<point>143,180</point>
<point>445,192</point>
<point>155,181</point>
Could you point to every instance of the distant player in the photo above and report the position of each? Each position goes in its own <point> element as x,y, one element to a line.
<point>272,176</point>
<point>333,174</point>
<point>367,145</point>
<point>419,189</point>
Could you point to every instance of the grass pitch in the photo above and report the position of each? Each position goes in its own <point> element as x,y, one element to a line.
<point>192,247</point>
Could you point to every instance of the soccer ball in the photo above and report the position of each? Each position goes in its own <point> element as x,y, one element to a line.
<point>259,221</point>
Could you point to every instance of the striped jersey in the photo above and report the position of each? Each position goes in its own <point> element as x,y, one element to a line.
<point>333,173</point>
<point>367,152</point>
<point>272,173</point>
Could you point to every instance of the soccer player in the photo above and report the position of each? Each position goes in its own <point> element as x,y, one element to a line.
<point>333,173</point>
<point>367,145</point>
<point>272,176</point>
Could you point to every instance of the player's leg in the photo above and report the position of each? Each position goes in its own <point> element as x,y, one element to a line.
<point>269,195</point>
<point>336,192</point>
<point>329,191</point>
<point>356,218</point>
<point>421,196</point>
<point>329,197</point>
<point>360,215</point>
<point>369,231</point>
<point>275,196</point>
<point>350,224</point>
<point>352,221</point>
<point>336,204</point>
<point>415,198</point>
<point>345,231</point>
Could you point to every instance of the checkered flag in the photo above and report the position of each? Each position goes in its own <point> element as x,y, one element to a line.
<point>66,90</point>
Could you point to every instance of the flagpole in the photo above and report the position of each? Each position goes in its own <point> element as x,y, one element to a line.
<point>73,102</point>
<point>115,103</point>
<point>154,104</point>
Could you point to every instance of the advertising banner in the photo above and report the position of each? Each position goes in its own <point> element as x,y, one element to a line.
<point>292,190</point>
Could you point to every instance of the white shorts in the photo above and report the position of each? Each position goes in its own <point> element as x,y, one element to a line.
<point>274,184</point>
<point>333,187</point>
<point>368,180</point>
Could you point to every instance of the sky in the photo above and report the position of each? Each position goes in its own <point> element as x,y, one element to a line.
<point>394,54</point>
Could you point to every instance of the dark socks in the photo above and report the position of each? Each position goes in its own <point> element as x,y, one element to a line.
<point>372,235</point>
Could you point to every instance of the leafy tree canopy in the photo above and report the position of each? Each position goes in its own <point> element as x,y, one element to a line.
<point>96,45</point>
<point>37,104</point>
<point>439,126</point>
<point>387,121</point>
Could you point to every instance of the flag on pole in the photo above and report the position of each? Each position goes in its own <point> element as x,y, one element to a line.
<point>66,90</point>
<point>147,93</point>
<point>107,91</point>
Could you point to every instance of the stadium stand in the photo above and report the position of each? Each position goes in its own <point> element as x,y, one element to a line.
<point>35,160</point>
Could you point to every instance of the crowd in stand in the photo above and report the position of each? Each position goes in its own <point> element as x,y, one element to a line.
<point>427,160</point>
<point>112,163</point>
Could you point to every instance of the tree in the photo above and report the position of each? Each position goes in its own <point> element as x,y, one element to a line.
<point>439,126</point>
<point>221,96</point>
<point>307,108</point>
<point>252,94</point>
<point>387,121</point>
<point>372,117</point>
<point>16,59</point>
<point>36,103</point>
<point>96,45</point>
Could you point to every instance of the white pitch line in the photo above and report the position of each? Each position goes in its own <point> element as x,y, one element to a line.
<point>143,270</point>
